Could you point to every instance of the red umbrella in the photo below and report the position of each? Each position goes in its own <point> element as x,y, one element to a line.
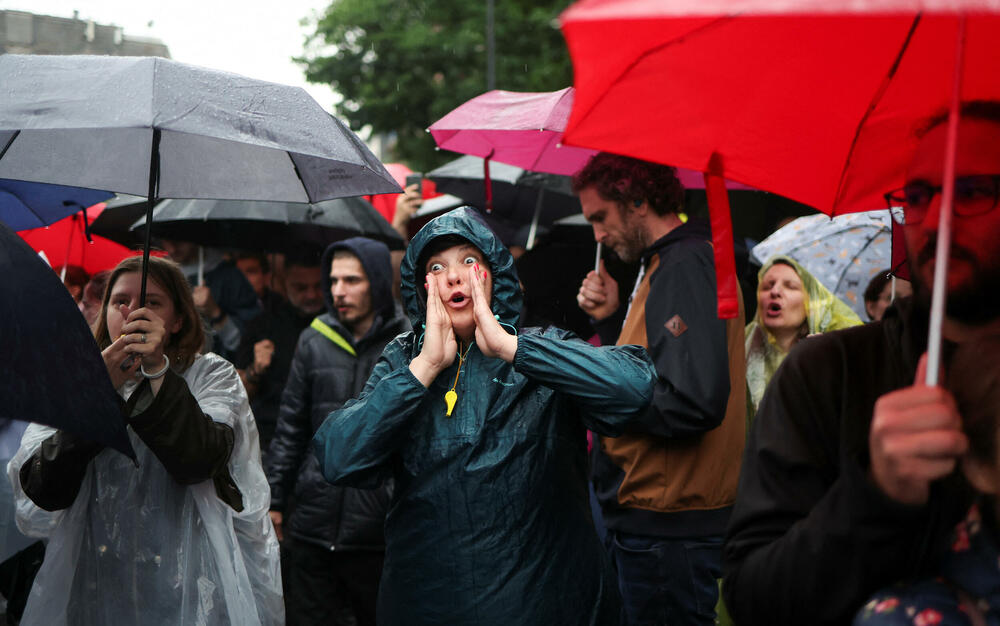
<point>816,100</point>
<point>65,243</point>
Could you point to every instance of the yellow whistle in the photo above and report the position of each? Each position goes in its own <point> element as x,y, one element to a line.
<point>450,398</point>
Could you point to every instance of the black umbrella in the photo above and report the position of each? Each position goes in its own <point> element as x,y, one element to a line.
<point>171,130</point>
<point>270,226</point>
<point>116,220</point>
<point>518,195</point>
<point>54,373</point>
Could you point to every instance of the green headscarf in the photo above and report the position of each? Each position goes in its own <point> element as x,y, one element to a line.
<point>824,312</point>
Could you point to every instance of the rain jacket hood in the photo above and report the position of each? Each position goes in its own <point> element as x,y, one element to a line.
<point>824,312</point>
<point>375,260</point>
<point>468,224</point>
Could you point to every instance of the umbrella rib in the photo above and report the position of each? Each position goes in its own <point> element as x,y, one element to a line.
<point>298,174</point>
<point>8,144</point>
<point>716,23</point>
<point>841,186</point>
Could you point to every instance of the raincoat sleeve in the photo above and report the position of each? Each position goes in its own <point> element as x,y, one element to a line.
<point>52,475</point>
<point>192,444</point>
<point>612,385</point>
<point>31,519</point>
<point>692,367</point>
<point>355,442</point>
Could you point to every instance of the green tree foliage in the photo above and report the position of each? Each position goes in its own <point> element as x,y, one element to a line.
<point>402,64</point>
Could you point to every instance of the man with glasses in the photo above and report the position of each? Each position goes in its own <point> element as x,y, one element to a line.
<point>846,484</point>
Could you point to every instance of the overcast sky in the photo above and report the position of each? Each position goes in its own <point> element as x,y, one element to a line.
<point>256,38</point>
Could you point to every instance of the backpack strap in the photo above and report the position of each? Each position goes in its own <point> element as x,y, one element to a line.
<point>325,330</point>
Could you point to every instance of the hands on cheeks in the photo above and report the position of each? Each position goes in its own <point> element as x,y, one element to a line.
<point>916,438</point>
<point>139,324</point>
<point>439,347</point>
<point>492,339</point>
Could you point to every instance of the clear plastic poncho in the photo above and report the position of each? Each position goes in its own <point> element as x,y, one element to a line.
<point>136,547</point>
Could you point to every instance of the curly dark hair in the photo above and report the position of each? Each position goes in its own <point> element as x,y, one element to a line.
<point>629,181</point>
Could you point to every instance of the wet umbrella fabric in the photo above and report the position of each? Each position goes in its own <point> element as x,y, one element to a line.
<point>220,135</point>
<point>270,226</point>
<point>116,220</point>
<point>25,205</point>
<point>55,374</point>
<point>816,100</point>
<point>174,131</point>
<point>842,253</point>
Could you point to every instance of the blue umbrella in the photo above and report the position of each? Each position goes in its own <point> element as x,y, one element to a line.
<point>843,253</point>
<point>25,205</point>
<point>54,373</point>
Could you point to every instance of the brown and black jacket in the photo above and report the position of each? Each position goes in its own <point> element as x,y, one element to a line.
<point>674,473</point>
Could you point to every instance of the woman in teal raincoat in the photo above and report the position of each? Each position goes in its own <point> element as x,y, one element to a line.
<point>483,429</point>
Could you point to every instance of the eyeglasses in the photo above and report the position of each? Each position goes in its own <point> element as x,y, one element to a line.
<point>974,195</point>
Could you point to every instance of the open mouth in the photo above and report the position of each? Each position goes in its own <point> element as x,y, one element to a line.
<point>458,300</point>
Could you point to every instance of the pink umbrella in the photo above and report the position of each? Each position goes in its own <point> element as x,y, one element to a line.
<point>525,130</point>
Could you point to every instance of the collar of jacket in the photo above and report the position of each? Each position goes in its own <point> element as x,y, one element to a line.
<point>694,228</point>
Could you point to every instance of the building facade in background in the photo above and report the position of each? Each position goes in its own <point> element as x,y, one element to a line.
<point>27,33</point>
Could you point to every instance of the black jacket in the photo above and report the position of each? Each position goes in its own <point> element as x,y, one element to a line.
<point>281,323</point>
<point>323,377</point>
<point>811,537</point>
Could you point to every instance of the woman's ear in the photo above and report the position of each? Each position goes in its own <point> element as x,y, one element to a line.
<point>983,476</point>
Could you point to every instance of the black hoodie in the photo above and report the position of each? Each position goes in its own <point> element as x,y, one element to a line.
<point>324,375</point>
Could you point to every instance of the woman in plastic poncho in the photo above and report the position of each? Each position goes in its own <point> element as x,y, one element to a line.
<point>791,305</point>
<point>484,430</point>
<point>181,538</point>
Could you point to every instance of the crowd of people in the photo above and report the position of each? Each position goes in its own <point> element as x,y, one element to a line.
<point>320,442</point>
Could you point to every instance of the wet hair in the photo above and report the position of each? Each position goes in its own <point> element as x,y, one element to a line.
<point>983,110</point>
<point>440,244</point>
<point>973,377</point>
<point>187,342</point>
<point>628,182</point>
<point>877,284</point>
<point>306,257</point>
<point>96,285</point>
<point>261,259</point>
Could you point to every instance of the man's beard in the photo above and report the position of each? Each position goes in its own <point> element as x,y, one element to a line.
<point>632,245</point>
<point>974,303</point>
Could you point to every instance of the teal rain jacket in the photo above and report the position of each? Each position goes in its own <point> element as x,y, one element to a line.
<point>490,522</point>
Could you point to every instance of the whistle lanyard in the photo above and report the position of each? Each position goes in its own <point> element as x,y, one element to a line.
<point>451,396</point>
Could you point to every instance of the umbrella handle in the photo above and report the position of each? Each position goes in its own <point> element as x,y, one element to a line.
<point>597,259</point>
<point>488,182</point>
<point>201,266</point>
<point>943,251</point>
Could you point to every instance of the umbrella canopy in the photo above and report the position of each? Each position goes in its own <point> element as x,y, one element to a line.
<point>54,373</point>
<point>522,129</point>
<point>115,221</point>
<point>25,205</point>
<point>515,190</point>
<point>220,135</point>
<point>271,226</point>
<point>842,253</point>
<point>816,100</point>
<point>66,243</point>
